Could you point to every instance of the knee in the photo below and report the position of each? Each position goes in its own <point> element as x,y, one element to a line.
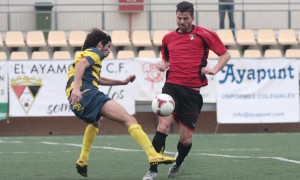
<point>130,120</point>
<point>186,140</point>
<point>163,127</point>
<point>97,124</point>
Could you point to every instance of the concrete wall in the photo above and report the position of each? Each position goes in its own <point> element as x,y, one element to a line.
<point>157,14</point>
<point>30,126</point>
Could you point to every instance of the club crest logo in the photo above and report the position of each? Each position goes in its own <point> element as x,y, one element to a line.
<point>192,36</point>
<point>152,74</point>
<point>26,89</point>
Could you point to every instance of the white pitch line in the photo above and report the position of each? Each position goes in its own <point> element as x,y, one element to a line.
<point>97,147</point>
<point>223,155</point>
<point>12,142</point>
<point>167,152</point>
<point>202,154</point>
<point>287,160</point>
<point>37,152</point>
<point>250,157</point>
<point>100,147</point>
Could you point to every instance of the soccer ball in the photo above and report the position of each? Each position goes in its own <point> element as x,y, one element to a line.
<point>163,105</point>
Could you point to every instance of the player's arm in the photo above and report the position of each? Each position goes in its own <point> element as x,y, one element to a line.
<point>79,70</point>
<point>162,65</point>
<point>108,82</point>
<point>216,45</point>
<point>223,59</point>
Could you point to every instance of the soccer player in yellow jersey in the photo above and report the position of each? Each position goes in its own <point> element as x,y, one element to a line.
<point>90,104</point>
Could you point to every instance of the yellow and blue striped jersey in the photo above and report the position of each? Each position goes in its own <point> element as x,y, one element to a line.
<point>91,76</point>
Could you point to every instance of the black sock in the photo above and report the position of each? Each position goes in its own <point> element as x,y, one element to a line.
<point>158,142</point>
<point>183,151</point>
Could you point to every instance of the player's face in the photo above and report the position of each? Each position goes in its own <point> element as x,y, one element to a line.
<point>106,49</point>
<point>184,21</point>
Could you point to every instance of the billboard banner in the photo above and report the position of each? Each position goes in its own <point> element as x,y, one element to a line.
<point>208,92</point>
<point>149,81</point>
<point>3,90</point>
<point>37,88</point>
<point>258,91</point>
<point>123,94</point>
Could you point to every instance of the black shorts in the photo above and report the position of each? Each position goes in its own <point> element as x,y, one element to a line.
<point>188,104</point>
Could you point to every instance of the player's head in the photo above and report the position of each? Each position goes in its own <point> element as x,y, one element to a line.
<point>98,39</point>
<point>185,6</point>
<point>185,16</point>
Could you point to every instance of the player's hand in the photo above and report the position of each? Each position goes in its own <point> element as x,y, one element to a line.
<point>207,70</point>
<point>130,78</point>
<point>162,66</point>
<point>75,96</point>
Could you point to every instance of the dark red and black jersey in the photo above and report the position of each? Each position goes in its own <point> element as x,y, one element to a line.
<point>187,53</point>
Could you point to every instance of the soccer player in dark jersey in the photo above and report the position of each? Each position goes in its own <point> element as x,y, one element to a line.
<point>184,58</point>
<point>90,104</point>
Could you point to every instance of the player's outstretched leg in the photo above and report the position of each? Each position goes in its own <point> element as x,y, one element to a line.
<point>160,159</point>
<point>142,139</point>
<point>158,142</point>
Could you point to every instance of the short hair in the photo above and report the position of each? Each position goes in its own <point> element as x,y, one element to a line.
<point>185,6</point>
<point>94,37</point>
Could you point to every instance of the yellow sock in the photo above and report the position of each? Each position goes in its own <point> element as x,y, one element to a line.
<point>142,139</point>
<point>88,139</point>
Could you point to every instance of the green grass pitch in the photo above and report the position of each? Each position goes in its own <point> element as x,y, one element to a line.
<point>270,156</point>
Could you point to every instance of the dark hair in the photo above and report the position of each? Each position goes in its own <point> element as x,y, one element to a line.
<point>94,37</point>
<point>185,6</point>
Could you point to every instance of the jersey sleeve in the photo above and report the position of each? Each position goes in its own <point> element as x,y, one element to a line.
<point>92,57</point>
<point>214,42</point>
<point>164,48</point>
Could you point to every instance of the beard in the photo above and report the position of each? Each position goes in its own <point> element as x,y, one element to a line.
<point>105,54</point>
<point>183,28</point>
